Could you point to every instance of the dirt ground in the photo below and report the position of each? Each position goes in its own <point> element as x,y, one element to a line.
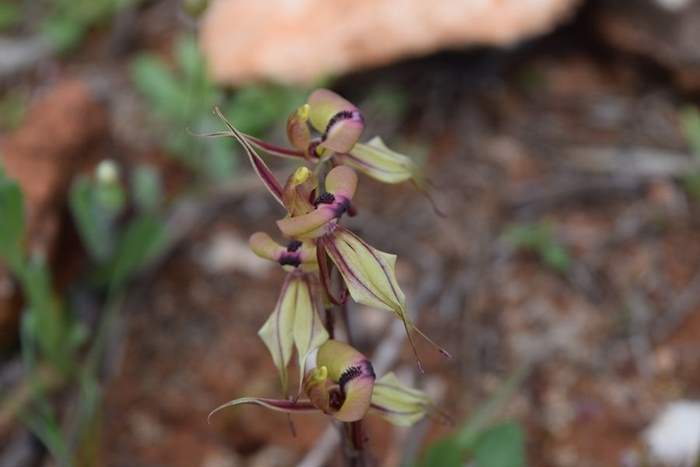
<point>573,129</point>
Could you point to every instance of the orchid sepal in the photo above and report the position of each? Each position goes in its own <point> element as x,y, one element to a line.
<point>397,403</point>
<point>278,405</point>
<point>259,166</point>
<point>377,161</point>
<point>370,277</point>
<point>294,323</point>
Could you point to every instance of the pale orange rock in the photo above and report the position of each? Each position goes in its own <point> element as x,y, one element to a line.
<point>298,41</point>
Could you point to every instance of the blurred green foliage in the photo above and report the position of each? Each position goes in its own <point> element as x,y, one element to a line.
<point>539,238</point>
<point>480,440</point>
<point>690,125</point>
<point>52,336</point>
<point>181,98</point>
<point>10,14</point>
<point>13,107</point>
<point>68,21</point>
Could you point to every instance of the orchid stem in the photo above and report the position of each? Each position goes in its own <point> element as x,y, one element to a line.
<point>346,322</point>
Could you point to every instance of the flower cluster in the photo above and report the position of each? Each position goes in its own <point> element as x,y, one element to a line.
<point>336,379</point>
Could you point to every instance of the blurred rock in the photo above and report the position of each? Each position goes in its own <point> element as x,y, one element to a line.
<point>666,31</point>
<point>674,437</point>
<point>302,40</point>
<point>221,458</point>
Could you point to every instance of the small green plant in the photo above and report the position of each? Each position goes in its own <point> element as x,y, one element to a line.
<point>181,97</point>
<point>481,440</point>
<point>52,338</point>
<point>539,238</point>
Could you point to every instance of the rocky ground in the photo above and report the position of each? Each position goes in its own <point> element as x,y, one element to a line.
<point>578,130</point>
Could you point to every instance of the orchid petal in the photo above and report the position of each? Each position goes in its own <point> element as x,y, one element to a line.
<point>343,131</point>
<point>293,255</point>
<point>299,192</point>
<point>309,332</point>
<point>298,131</point>
<point>265,247</point>
<point>309,225</point>
<point>369,273</point>
<point>324,104</point>
<point>342,181</point>
<point>278,405</point>
<point>398,403</point>
<point>348,375</point>
<point>263,171</point>
<point>379,162</point>
<point>339,120</point>
<point>278,331</point>
<point>370,277</point>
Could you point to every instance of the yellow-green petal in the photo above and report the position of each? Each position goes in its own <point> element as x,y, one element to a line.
<point>398,403</point>
<point>376,160</point>
<point>309,331</point>
<point>278,331</point>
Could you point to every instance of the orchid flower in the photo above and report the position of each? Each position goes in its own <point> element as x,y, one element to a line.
<point>312,217</point>
<point>295,321</point>
<point>368,273</point>
<point>340,382</point>
<point>327,127</point>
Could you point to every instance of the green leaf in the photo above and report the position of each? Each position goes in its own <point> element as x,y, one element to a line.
<point>142,239</point>
<point>48,329</point>
<point>254,109</point>
<point>12,222</point>
<point>690,123</point>
<point>501,446</point>
<point>96,236</point>
<point>443,453</point>
<point>160,86</point>
<point>539,238</point>
<point>147,188</point>
<point>189,58</point>
<point>10,15</point>
<point>468,435</point>
<point>63,33</point>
